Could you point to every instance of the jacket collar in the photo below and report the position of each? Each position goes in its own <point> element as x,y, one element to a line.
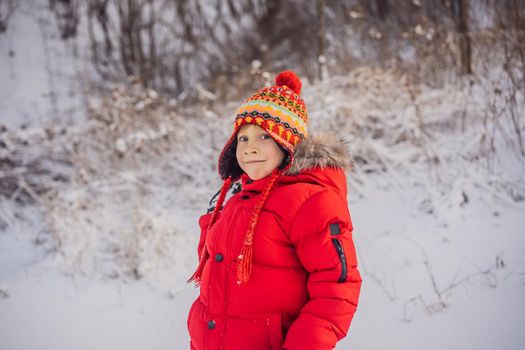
<point>250,185</point>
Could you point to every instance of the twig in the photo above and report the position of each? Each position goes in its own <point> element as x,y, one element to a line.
<point>391,296</point>
<point>430,272</point>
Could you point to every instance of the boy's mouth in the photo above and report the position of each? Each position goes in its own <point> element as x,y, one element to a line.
<point>253,161</point>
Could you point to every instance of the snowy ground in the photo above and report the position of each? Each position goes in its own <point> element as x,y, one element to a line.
<point>44,309</point>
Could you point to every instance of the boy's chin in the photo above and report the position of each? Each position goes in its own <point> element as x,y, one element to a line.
<point>257,175</point>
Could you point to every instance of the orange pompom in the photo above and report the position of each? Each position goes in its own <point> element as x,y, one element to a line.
<point>290,79</point>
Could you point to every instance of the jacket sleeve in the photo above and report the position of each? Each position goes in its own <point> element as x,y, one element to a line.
<point>322,234</point>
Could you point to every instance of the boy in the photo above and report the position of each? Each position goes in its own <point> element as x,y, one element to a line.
<point>277,265</point>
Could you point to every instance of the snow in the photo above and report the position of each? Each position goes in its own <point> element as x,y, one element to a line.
<point>39,74</point>
<point>46,309</point>
<point>101,261</point>
<point>398,309</point>
<point>484,312</point>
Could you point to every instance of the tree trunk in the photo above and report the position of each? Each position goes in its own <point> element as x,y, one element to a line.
<point>383,9</point>
<point>462,19</point>
<point>321,58</point>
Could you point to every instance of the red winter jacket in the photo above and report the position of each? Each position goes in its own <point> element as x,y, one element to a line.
<point>304,285</point>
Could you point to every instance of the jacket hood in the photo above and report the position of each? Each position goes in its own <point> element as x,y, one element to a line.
<point>321,151</point>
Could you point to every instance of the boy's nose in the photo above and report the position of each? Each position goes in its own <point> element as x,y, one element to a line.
<point>251,150</point>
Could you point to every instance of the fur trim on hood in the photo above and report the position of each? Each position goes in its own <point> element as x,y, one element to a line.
<point>321,151</point>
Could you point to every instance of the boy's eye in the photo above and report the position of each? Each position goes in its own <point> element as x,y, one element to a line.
<point>243,139</point>
<point>265,137</point>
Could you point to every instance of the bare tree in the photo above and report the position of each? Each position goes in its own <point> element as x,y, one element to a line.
<point>175,46</point>
<point>460,11</point>
<point>510,24</point>
<point>168,45</point>
<point>321,33</point>
<point>101,49</point>
<point>67,16</point>
<point>7,8</point>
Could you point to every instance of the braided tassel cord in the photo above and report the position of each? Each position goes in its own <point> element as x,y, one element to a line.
<point>244,263</point>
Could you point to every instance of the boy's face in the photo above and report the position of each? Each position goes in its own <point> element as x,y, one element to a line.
<point>257,153</point>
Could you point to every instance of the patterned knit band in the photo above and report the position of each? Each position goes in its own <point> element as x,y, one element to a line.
<point>280,111</point>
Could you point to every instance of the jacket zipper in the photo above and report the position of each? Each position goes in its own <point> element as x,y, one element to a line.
<point>228,280</point>
<point>340,251</point>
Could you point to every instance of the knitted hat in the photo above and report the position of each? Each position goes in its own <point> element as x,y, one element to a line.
<point>280,111</point>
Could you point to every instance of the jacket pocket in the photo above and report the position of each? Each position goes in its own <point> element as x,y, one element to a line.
<point>254,332</point>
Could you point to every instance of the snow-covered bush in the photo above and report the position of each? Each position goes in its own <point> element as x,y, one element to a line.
<point>135,161</point>
<point>140,155</point>
<point>405,134</point>
<point>109,188</point>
